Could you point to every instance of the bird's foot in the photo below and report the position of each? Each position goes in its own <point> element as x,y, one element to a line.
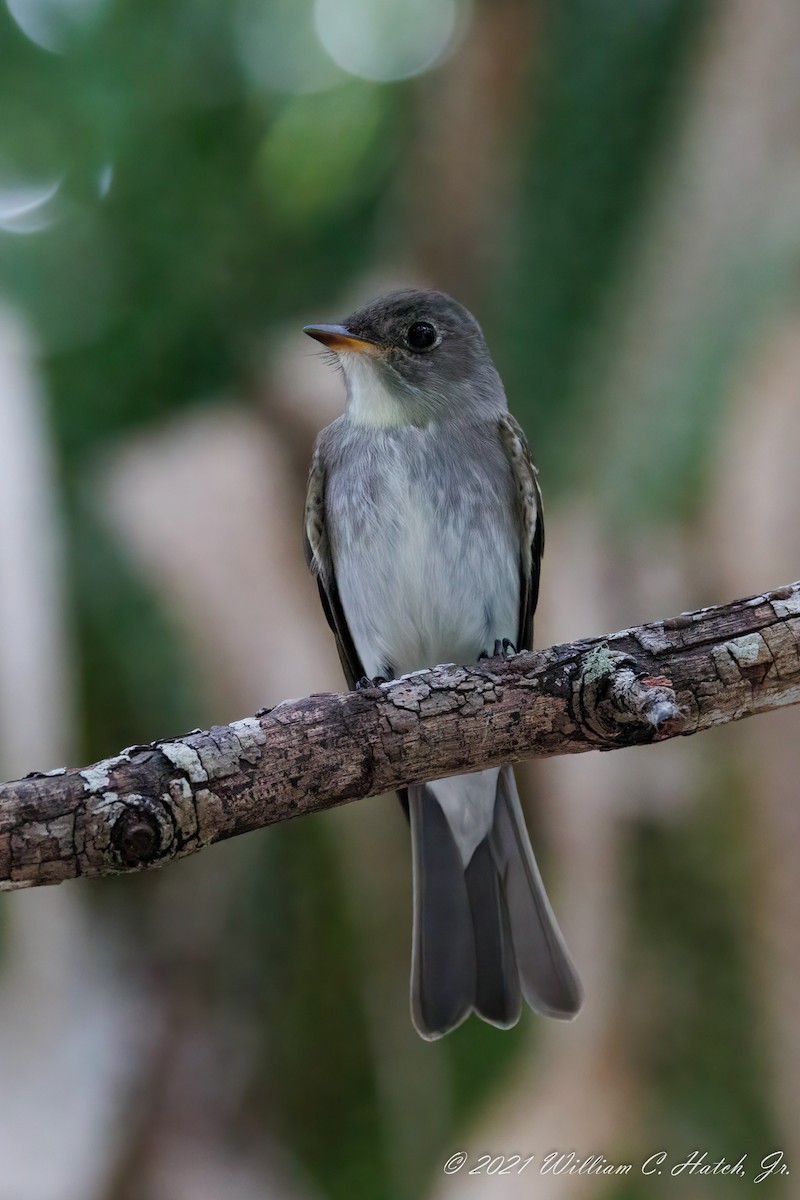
<point>365,683</point>
<point>503,648</point>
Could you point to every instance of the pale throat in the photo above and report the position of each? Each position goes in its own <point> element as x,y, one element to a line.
<point>369,400</point>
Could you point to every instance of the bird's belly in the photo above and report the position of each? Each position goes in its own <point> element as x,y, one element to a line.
<point>424,587</point>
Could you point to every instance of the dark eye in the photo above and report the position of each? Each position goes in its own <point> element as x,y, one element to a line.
<point>422,336</point>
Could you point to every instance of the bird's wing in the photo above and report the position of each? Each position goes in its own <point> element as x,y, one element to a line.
<point>320,562</point>
<point>531,524</point>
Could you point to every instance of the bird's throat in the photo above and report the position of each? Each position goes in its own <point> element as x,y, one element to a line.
<point>371,400</point>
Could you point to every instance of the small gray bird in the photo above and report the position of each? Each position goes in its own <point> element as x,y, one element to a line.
<point>424,530</point>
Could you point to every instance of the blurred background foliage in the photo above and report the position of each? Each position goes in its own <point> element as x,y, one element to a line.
<point>183,184</point>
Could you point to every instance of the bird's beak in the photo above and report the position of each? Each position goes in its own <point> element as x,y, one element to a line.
<point>338,337</point>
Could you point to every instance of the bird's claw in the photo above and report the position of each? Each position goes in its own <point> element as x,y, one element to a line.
<point>364,684</point>
<point>503,648</point>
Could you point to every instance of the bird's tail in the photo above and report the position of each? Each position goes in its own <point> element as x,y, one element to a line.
<point>484,935</point>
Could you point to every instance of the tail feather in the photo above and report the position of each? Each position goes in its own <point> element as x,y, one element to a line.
<point>485,933</point>
<point>443,952</point>
<point>548,978</point>
<point>497,995</point>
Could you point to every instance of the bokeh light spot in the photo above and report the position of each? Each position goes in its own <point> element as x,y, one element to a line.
<point>49,23</point>
<point>384,40</point>
<point>27,207</point>
<point>105,177</point>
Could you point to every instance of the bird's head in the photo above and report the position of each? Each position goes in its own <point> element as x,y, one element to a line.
<point>412,357</point>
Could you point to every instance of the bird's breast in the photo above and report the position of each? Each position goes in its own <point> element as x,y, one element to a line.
<point>425,550</point>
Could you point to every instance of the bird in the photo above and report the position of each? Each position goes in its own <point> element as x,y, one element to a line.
<point>424,530</point>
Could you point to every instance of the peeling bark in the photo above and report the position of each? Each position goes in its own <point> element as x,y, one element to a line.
<point>153,803</point>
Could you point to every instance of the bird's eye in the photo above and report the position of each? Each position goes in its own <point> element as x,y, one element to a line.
<point>422,336</point>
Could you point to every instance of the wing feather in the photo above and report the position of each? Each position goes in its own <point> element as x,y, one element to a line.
<point>531,524</point>
<point>320,562</point>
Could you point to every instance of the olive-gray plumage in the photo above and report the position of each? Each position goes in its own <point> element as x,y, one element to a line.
<point>424,528</point>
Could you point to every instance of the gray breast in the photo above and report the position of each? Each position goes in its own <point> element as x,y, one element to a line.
<point>424,543</point>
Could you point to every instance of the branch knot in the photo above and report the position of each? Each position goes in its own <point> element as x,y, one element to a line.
<point>135,836</point>
<point>616,702</point>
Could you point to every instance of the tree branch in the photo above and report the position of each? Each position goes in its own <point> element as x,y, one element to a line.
<point>153,803</point>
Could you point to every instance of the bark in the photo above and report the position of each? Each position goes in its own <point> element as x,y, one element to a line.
<point>153,803</point>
